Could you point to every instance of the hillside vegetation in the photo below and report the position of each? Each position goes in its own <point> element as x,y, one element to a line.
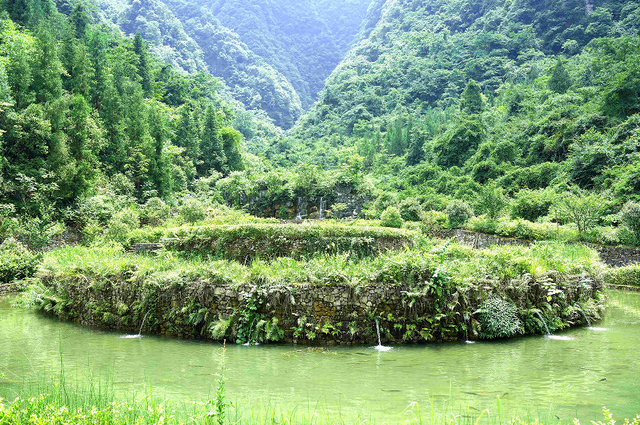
<point>524,113</point>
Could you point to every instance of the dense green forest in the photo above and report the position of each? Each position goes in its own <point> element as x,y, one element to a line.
<point>84,107</point>
<point>494,109</point>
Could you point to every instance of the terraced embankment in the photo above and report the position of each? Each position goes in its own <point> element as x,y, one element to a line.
<point>427,293</point>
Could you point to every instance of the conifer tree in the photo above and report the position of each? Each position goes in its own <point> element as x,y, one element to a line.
<point>80,19</point>
<point>97,49</point>
<point>19,74</point>
<point>114,156</point>
<point>143,64</point>
<point>231,142</point>
<point>416,148</point>
<point>560,80</point>
<point>19,11</point>
<point>471,102</point>
<point>159,169</point>
<point>187,134</point>
<point>213,157</point>
<point>80,146</point>
<point>5,90</point>
<point>82,73</point>
<point>47,71</point>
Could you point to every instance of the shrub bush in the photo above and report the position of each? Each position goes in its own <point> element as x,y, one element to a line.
<point>283,213</point>
<point>411,210</point>
<point>16,261</point>
<point>532,204</point>
<point>433,221</point>
<point>385,200</point>
<point>627,276</point>
<point>630,216</point>
<point>391,217</point>
<point>458,212</point>
<point>498,319</point>
<point>154,212</point>
<point>97,208</point>
<point>193,210</point>
<point>122,223</point>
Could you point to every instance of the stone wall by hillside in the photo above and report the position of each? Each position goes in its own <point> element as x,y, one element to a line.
<point>308,206</point>
<point>613,256</point>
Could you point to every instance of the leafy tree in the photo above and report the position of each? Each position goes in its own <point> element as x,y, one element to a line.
<point>231,143</point>
<point>582,208</point>
<point>459,142</point>
<point>491,200</point>
<point>416,148</point>
<point>630,215</point>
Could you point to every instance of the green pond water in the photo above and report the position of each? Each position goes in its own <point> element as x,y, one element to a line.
<point>533,375</point>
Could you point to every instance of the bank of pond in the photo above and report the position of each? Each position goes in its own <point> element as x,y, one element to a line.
<point>109,378</point>
<point>410,329</point>
<point>433,291</point>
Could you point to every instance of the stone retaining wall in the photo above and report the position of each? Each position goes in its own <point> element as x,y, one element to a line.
<point>310,314</point>
<point>11,288</point>
<point>613,256</point>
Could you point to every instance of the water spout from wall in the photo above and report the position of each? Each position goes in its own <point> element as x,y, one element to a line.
<point>583,315</point>
<point>321,210</point>
<point>299,214</point>
<point>139,335</point>
<point>549,335</point>
<point>591,328</point>
<point>466,332</point>
<point>380,347</point>
<point>248,343</point>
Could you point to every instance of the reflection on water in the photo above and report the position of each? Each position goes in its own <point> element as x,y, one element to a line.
<point>591,368</point>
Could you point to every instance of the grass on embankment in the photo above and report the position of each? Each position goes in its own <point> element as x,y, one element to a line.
<point>248,241</point>
<point>624,276</point>
<point>461,264</point>
<point>534,231</point>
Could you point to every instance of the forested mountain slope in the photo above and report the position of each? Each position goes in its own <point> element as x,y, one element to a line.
<point>273,56</point>
<point>208,46</point>
<point>440,98</point>
<point>304,40</point>
<point>420,54</point>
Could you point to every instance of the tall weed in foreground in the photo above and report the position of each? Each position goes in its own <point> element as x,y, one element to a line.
<point>220,404</point>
